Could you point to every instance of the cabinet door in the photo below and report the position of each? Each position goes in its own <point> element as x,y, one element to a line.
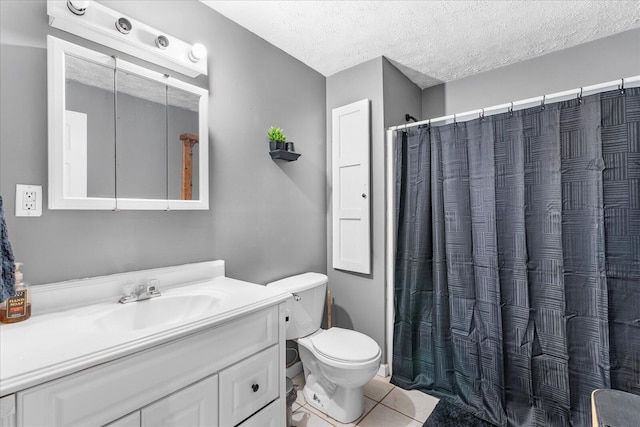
<point>131,420</point>
<point>196,405</point>
<point>8,411</point>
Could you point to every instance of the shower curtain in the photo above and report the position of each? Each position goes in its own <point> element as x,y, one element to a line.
<point>517,272</point>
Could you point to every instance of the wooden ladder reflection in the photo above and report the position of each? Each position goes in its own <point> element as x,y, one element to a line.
<point>188,141</point>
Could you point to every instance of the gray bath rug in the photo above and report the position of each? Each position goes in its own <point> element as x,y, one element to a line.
<point>447,414</point>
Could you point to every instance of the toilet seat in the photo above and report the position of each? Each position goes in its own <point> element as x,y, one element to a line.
<point>345,346</point>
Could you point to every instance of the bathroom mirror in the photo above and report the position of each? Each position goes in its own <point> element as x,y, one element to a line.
<point>122,136</point>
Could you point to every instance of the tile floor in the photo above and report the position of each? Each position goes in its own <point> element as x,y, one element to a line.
<point>385,405</point>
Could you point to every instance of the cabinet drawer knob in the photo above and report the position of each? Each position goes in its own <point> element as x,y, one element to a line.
<point>255,387</point>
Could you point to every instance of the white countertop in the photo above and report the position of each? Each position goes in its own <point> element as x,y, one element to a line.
<point>52,345</point>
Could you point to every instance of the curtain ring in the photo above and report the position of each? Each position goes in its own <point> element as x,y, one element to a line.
<point>455,121</point>
<point>580,97</point>
<point>544,97</point>
<point>511,109</point>
<point>482,115</point>
<point>621,86</point>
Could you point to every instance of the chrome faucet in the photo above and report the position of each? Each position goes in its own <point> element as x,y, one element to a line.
<point>139,293</point>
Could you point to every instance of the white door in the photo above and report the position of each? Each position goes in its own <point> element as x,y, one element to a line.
<point>194,406</point>
<point>75,154</point>
<point>351,137</point>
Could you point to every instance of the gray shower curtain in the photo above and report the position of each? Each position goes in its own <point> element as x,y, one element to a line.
<point>517,273</point>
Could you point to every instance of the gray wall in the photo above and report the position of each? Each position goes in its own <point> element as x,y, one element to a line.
<point>359,300</point>
<point>590,63</point>
<point>267,220</point>
<point>401,96</point>
<point>98,105</point>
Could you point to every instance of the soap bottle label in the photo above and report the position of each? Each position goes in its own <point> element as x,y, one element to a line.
<point>17,305</point>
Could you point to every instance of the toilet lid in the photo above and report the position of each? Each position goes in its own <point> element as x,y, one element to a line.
<point>345,345</point>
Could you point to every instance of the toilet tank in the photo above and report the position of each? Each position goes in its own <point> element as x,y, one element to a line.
<point>304,310</point>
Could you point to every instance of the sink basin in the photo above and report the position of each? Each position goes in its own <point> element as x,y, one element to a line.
<point>158,311</point>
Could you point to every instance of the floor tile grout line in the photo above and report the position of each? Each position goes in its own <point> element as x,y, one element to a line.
<point>324,417</point>
<point>382,398</point>
<point>385,395</point>
<point>365,415</point>
<point>406,415</point>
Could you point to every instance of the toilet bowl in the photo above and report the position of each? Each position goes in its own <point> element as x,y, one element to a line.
<point>337,362</point>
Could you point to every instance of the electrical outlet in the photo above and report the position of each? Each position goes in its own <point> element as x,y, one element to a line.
<point>28,200</point>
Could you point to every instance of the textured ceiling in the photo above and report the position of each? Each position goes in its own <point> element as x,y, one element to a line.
<point>429,41</point>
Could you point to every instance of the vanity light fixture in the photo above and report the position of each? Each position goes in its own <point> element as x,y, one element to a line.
<point>123,25</point>
<point>197,52</point>
<point>78,7</point>
<point>162,42</point>
<point>111,28</point>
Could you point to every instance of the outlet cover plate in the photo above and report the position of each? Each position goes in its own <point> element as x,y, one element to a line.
<point>28,200</point>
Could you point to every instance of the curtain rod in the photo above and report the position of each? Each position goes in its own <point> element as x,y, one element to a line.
<point>525,103</point>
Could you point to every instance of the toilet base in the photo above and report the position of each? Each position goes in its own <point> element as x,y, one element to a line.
<point>344,404</point>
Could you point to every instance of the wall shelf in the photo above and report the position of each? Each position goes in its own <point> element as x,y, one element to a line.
<point>289,156</point>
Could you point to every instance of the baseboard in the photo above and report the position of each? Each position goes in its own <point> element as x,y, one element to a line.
<point>294,369</point>
<point>383,371</point>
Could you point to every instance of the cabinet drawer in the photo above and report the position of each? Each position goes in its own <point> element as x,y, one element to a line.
<point>271,416</point>
<point>248,386</point>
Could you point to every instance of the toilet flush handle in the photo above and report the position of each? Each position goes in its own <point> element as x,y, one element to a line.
<point>296,297</point>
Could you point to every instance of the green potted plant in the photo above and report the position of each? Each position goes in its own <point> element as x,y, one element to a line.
<point>277,139</point>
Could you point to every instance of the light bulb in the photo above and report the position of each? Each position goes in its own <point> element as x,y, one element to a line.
<point>197,52</point>
<point>78,7</point>
<point>162,42</point>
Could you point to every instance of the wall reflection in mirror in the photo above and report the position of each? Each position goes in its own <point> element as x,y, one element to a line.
<point>89,129</point>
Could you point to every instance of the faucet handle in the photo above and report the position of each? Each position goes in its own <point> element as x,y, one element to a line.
<point>140,289</point>
<point>127,289</point>
<point>128,294</point>
<point>152,287</point>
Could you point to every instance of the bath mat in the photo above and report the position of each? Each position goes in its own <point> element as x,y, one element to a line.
<point>447,414</point>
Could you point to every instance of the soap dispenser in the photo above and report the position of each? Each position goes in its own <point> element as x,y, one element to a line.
<point>18,307</point>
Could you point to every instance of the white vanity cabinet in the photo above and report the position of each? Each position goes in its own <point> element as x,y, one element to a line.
<point>230,373</point>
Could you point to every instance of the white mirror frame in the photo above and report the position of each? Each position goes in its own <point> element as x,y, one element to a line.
<point>56,51</point>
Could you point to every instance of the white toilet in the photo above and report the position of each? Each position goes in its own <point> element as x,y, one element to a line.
<point>337,362</point>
